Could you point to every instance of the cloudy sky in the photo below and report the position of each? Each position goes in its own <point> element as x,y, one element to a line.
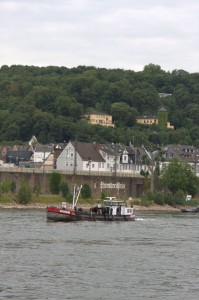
<point>127,34</point>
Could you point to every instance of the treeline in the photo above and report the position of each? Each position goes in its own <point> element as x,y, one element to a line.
<point>48,102</point>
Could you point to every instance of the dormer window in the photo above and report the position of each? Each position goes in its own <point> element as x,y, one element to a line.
<point>124,158</point>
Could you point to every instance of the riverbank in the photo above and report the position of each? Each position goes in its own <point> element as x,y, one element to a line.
<point>160,208</point>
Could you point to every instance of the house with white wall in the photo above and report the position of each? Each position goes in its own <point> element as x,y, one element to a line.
<point>80,156</point>
<point>41,152</point>
<point>101,158</point>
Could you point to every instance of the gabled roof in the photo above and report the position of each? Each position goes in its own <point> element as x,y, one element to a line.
<point>183,152</point>
<point>13,155</point>
<point>44,148</point>
<point>87,151</point>
<point>134,153</point>
<point>112,149</point>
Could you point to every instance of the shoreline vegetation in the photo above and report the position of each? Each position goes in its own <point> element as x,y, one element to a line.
<point>42,201</point>
<point>156,208</point>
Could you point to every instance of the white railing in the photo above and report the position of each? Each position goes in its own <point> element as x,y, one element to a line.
<point>86,173</point>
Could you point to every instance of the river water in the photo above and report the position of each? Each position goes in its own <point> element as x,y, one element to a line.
<point>155,257</point>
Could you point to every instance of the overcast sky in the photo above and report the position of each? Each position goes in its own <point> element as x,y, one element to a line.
<point>127,34</point>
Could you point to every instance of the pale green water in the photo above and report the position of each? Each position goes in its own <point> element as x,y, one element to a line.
<point>155,257</point>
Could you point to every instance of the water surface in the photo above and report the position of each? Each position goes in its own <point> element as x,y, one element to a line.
<point>155,257</point>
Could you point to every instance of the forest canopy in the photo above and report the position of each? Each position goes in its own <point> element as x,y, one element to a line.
<point>48,102</point>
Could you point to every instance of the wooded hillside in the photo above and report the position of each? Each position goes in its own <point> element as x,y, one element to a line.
<point>48,102</point>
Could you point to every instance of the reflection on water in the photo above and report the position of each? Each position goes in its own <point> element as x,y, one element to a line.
<point>154,257</point>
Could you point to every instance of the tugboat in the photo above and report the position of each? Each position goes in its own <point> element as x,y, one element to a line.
<point>111,210</point>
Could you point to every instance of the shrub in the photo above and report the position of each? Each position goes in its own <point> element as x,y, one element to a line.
<point>149,195</point>
<point>37,190</point>
<point>13,186</point>
<point>6,186</point>
<point>169,199</point>
<point>86,191</point>
<point>145,201</point>
<point>24,195</point>
<point>156,197</point>
<point>179,198</point>
<point>65,191</point>
<point>55,180</point>
<point>159,198</point>
<point>104,194</point>
<point>64,188</point>
<point>137,201</point>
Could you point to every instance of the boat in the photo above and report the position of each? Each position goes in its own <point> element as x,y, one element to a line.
<point>111,210</point>
<point>192,210</point>
<point>63,213</point>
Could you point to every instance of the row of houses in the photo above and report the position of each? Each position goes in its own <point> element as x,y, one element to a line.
<point>93,158</point>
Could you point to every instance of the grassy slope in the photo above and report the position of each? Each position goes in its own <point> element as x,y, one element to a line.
<point>10,199</point>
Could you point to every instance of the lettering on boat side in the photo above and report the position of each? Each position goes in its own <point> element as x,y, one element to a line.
<point>65,212</point>
<point>111,185</point>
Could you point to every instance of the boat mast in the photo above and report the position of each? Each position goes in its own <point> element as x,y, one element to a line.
<point>76,193</point>
<point>79,191</point>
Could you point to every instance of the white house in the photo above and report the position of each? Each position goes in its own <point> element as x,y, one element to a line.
<point>41,152</point>
<point>93,157</point>
<point>80,156</point>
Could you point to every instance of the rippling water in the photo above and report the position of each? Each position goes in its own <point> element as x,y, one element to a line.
<point>155,257</point>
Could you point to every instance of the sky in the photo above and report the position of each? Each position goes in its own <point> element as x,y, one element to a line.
<point>125,34</point>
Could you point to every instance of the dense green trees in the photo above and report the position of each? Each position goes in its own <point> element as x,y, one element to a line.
<point>179,176</point>
<point>175,182</point>
<point>49,102</point>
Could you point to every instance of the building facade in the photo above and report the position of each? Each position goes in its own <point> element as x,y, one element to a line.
<point>99,119</point>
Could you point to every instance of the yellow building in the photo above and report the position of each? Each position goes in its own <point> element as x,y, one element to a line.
<point>99,119</point>
<point>170,126</point>
<point>147,120</point>
<point>151,120</point>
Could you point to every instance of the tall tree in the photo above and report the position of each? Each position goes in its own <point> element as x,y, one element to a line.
<point>179,176</point>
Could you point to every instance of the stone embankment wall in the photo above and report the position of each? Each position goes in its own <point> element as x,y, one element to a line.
<point>119,186</point>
